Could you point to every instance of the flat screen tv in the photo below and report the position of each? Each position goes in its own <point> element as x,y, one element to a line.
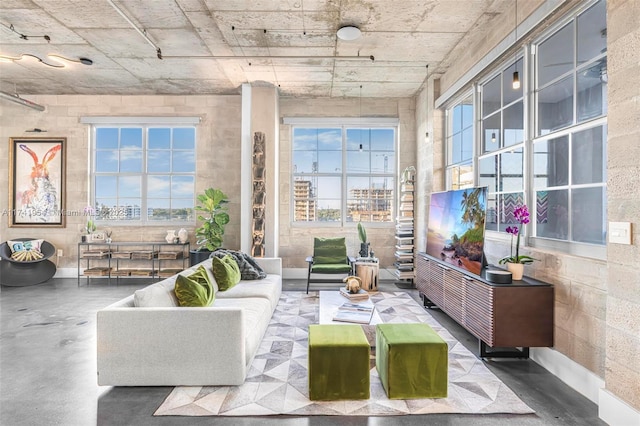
<point>455,231</point>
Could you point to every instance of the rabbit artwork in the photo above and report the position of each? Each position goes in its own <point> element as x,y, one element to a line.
<point>40,200</point>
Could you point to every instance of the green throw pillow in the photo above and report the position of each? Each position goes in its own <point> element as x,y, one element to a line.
<point>195,289</point>
<point>225,271</point>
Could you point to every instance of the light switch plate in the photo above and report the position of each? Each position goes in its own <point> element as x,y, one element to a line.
<point>620,232</point>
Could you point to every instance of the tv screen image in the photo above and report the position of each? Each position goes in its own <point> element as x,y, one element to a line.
<point>455,231</point>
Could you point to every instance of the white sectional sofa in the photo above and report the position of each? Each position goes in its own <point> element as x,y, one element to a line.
<point>147,339</point>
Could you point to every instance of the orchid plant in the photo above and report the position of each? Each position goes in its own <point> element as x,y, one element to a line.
<point>521,214</point>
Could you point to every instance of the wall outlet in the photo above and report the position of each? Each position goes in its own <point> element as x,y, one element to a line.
<point>60,252</point>
<point>620,232</point>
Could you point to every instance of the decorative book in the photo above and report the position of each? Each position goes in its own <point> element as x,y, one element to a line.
<point>141,272</point>
<point>97,272</point>
<point>95,254</point>
<point>170,255</point>
<point>353,312</point>
<point>121,255</point>
<point>360,295</point>
<point>144,254</point>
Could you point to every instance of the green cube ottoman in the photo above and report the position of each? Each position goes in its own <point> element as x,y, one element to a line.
<point>412,361</point>
<point>338,363</point>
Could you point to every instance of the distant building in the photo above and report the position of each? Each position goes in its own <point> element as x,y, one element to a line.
<point>370,204</point>
<point>367,204</point>
<point>305,206</point>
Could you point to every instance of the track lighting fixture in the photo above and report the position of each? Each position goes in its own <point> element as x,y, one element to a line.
<point>60,59</point>
<point>22,36</point>
<point>54,61</point>
<point>142,32</point>
<point>276,57</point>
<point>357,57</point>
<point>18,100</point>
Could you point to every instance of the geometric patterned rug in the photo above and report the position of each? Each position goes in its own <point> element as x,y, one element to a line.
<point>277,381</point>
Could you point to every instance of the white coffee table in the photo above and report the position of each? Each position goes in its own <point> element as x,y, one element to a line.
<point>330,301</point>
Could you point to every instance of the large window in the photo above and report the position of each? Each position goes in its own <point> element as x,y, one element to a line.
<point>501,163</point>
<point>543,144</point>
<point>569,150</point>
<point>343,173</point>
<point>143,173</point>
<point>460,144</point>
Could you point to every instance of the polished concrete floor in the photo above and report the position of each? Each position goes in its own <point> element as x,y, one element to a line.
<point>48,370</point>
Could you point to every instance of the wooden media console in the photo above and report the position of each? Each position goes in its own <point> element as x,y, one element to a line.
<point>507,319</point>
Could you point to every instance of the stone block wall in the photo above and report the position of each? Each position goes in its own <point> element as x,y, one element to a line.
<point>596,301</point>
<point>217,164</point>
<point>622,363</point>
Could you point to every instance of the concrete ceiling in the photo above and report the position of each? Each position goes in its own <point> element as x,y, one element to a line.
<point>404,36</point>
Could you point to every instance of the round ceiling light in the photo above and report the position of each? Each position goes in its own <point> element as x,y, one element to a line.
<point>349,33</point>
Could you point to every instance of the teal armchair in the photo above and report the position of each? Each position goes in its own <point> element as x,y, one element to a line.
<point>329,258</point>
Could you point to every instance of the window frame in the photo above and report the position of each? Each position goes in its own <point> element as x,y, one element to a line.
<point>529,76</point>
<point>502,71</point>
<point>344,124</point>
<point>455,168</point>
<point>582,249</point>
<point>144,123</point>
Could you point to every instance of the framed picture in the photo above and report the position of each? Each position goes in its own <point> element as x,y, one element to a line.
<point>98,236</point>
<point>37,182</point>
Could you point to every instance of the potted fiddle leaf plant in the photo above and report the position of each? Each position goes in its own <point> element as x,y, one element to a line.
<point>214,217</point>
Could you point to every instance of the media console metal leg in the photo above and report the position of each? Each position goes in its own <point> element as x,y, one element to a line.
<point>426,302</point>
<point>488,352</point>
<point>405,284</point>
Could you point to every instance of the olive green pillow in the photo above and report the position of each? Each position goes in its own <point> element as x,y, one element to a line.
<point>195,289</point>
<point>225,271</point>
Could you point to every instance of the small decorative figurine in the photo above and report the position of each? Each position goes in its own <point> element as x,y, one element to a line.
<point>353,284</point>
<point>183,235</point>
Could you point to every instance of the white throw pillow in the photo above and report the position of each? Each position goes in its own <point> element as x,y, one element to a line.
<point>159,295</point>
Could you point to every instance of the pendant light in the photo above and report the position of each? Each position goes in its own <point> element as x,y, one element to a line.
<point>516,77</point>
<point>360,115</point>
<point>426,104</point>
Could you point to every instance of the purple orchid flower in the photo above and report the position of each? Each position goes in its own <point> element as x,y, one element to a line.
<point>521,215</point>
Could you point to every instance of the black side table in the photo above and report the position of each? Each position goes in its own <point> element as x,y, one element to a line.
<point>19,274</point>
